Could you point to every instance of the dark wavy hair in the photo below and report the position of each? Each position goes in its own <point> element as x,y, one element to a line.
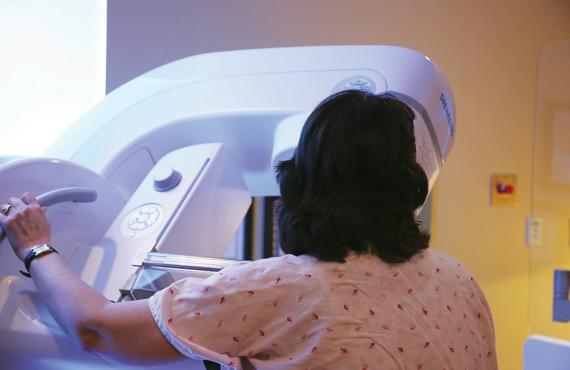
<point>353,183</point>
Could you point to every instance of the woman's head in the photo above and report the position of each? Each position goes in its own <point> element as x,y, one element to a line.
<point>353,183</point>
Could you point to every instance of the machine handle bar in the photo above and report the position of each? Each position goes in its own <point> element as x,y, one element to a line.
<point>67,194</point>
<point>71,194</point>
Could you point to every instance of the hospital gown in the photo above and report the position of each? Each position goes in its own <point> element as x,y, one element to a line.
<point>295,312</point>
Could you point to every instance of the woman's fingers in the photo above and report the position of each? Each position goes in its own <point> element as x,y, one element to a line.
<point>29,199</point>
<point>25,224</point>
<point>17,203</point>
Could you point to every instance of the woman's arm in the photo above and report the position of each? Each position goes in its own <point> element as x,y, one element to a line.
<point>123,332</point>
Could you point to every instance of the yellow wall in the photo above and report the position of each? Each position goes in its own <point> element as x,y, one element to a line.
<point>489,51</point>
<point>551,185</point>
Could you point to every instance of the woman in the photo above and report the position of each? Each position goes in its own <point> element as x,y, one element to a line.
<point>358,289</point>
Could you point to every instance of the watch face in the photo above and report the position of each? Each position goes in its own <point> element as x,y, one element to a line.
<point>41,248</point>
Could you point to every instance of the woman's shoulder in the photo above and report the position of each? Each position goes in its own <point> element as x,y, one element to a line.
<point>443,264</point>
<point>434,256</point>
<point>273,267</point>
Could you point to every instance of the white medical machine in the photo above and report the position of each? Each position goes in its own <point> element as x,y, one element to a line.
<point>546,353</point>
<point>173,158</point>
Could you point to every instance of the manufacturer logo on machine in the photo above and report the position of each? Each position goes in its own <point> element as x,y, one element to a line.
<point>356,83</point>
<point>447,113</point>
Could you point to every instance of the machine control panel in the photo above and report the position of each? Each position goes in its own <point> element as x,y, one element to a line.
<point>190,190</point>
<point>142,220</point>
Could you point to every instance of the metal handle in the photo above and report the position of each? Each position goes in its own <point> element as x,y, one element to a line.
<point>68,194</point>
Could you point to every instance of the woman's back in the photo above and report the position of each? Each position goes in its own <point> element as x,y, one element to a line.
<point>296,312</point>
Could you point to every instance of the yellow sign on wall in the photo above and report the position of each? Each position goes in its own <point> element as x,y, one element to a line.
<point>504,190</point>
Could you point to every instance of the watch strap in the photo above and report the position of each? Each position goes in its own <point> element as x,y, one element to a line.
<point>35,252</point>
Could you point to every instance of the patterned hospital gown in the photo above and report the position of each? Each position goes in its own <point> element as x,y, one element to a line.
<point>299,313</point>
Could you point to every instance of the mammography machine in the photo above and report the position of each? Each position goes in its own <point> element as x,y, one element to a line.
<point>173,158</point>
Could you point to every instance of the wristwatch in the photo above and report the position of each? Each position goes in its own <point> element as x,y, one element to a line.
<point>35,252</point>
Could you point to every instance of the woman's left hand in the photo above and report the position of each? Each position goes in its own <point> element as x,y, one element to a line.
<point>25,224</point>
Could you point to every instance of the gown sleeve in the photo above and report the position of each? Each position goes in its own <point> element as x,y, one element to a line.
<point>228,316</point>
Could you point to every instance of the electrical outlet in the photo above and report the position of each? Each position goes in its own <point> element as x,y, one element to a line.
<point>534,231</point>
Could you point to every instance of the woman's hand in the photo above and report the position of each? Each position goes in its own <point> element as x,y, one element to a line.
<point>25,224</point>
<point>98,325</point>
